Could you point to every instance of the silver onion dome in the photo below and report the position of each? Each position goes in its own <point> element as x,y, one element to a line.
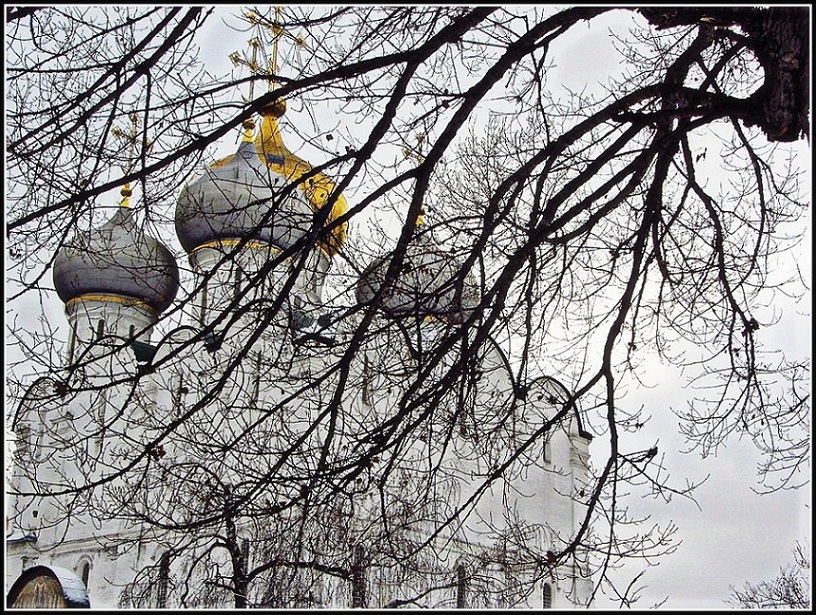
<point>242,196</point>
<point>429,283</point>
<point>117,259</point>
<point>236,198</point>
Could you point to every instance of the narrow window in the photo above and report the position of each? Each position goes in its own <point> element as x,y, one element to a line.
<point>164,580</point>
<point>461,587</point>
<point>24,443</point>
<point>547,449</point>
<point>256,378</point>
<point>203,302</point>
<point>245,554</point>
<point>358,600</point>
<point>366,393</point>
<point>101,413</point>
<point>100,329</point>
<point>237,283</point>
<point>71,345</point>
<point>40,430</point>
<point>547,596</point>
<point>85,573</point>
<point>132,332</point>
<point>178,398</point>
<point>260,284</point>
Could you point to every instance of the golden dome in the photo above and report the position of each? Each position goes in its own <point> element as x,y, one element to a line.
<point>317,188</point>
<point>231,200</point>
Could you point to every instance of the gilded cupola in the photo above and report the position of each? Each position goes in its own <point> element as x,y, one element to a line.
<point>262,193</point>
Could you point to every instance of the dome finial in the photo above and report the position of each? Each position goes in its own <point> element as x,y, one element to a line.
<point>415,153</point>
<point>205,215</point>
<point>129,138</point>
<point>277,107</point>
<point>251,62</point>
<point>278,31</point>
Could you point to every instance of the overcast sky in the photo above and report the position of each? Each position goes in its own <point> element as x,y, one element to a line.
<point>735,534</point>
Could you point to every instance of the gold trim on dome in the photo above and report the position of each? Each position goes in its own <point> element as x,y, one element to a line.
<point>226,243</point>
<point>130,302</point>
<point>221,163</point>
<point>270,147</point>
<point>130,139</point>
<point>317,188</point>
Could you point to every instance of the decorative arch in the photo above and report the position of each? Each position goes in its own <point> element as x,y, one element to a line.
<point>48,587</point>
<point>555,394</point>
<point>83,568</point>
<point>43,390</point>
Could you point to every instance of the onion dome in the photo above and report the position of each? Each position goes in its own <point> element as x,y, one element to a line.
<point>116,261</point>
<point>430,283</point>
<point>237,197</point>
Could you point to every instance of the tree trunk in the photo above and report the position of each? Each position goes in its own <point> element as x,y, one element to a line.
<point>779,38</point>
<point>783,49</point>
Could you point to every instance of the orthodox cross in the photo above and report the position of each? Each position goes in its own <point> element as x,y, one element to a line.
<point>415,153</point>
<point>252,61</point>
<point>255,43</point>
<point>130,138</point>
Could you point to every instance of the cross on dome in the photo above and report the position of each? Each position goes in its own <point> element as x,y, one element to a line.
<point>251,59</point>
<point>130,139</point>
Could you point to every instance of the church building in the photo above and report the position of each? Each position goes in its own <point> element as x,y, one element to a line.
<point>248,439</point>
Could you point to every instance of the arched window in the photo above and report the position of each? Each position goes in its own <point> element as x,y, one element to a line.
<point>245,551</point>
<point>24,444</point>
<point>40,432</point>
<point>256,377</point>
<point>71,345</point>
<point>100,329</point>
<point>547,596</point>
<point>85,572</point>
<point>236,282</point>
<point>179,396</point>
<point>203,315</point>
<point>358,579</point>
<point>366,392</point>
